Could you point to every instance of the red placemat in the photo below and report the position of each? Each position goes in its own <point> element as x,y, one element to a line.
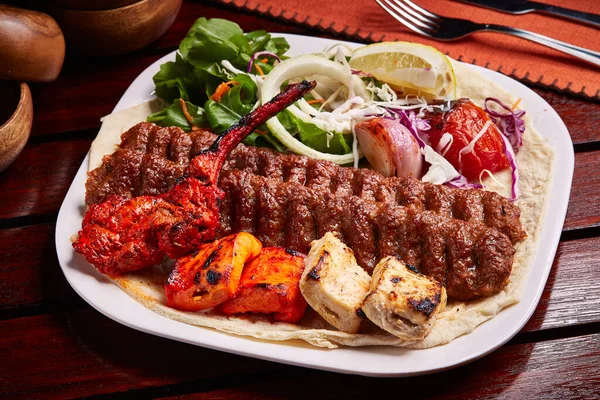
<point>524,60</point>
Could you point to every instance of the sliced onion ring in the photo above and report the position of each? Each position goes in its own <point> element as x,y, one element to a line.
<point>304,66</point>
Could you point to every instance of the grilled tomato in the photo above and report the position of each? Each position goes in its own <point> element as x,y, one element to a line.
<point>464,122</point>
<point>270,285</point>
<point>211,275</point>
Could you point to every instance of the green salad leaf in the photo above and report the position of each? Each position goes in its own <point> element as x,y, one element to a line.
<point>213,40</point>
<point>268,140</point>
<point>242,96</point>
<point>279,46</point>
<point>314,137</point>
<point>173,116</point>
<point>219,116</point>
<point>238,101</point>
<point>176,79</point>
<point>197,72</point>
<point>258,40</point>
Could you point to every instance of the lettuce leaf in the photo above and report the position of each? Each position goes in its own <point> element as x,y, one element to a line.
<point>219,116</point>
<point>178,79</point>
<point>257,40</point>
<point>242,96</point>
<point>278,46</point>
<point>213,40</point>
<point>197,72</point>
<point>314,137</point>
<point>173,116</point>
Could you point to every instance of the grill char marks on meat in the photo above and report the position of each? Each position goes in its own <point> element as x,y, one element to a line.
<point>147,163</point>
<point>289,200</point>
<point>482,206</point>
<point>471,259</point>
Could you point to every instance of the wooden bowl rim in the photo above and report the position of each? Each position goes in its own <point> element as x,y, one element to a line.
<point>22,100</point>
<point>68,8</point>
<point>92,12</point>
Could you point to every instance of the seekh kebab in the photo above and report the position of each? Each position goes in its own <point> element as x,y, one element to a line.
<point>463,238</point>
<point>151,158</point>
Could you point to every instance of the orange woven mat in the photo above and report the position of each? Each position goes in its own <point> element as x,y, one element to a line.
<point>521,59</point>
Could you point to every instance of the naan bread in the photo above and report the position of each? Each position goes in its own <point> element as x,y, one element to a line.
<point>459,318</point>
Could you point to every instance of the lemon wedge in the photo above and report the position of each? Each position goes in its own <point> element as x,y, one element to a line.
<point>408,67</point>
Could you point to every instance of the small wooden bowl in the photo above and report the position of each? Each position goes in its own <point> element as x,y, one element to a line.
<point>93,4</point>
<point>32,46</point>
<point>16,108</point>
<point>118,30</point>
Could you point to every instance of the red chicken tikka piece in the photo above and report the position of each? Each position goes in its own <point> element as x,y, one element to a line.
<point>270,285</point>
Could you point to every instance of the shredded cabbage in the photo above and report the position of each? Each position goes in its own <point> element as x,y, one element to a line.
<point>440,171</point>
<point>510,155</point>
<point>445,143</point>
<point>355,154</point>
<point>511,123</point>
<point>492,177</point>
<point>461,182</point>
<point>258,54</point>
<point>412,127</point>
<point>332,50</point>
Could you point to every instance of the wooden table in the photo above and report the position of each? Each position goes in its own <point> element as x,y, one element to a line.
<point>54,345</point>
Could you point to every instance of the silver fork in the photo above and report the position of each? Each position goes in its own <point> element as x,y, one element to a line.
<point>438,27</point>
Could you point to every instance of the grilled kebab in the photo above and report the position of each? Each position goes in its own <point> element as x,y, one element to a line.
<point>123,234</point>
<point>463,238</point>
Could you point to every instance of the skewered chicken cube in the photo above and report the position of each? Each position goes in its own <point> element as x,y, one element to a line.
<point>402,302</point>
<point>334,284</point>
<point>269,285</point>
<point>211,275</point>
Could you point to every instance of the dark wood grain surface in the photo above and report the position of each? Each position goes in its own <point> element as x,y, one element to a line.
<point>555,367</point>
<point>54,345</point>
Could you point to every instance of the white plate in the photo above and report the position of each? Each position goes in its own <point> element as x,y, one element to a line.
<point>107,298</point>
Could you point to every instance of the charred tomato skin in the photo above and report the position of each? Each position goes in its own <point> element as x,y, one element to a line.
<point>464,121</point>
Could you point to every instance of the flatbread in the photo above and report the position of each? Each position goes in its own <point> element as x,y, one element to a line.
<point>458,318</point>
<point>113,125</point>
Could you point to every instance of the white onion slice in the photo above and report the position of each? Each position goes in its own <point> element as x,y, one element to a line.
<point>305,66</point>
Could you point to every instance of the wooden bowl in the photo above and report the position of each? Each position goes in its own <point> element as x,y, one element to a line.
<point>118,30</point>
<point>93,4</point>
<point>32,46</point>
<point>16,108</point>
